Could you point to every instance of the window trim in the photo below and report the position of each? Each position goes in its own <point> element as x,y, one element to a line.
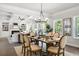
<point>74,27</point>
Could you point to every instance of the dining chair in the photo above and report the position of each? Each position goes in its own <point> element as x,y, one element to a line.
<point>59,49</point>
<point>32,48</point>
<point>21,38</point>
<point>49,34</point>
<point>53,33</point>
<point>22,42</point>
<point>56,34</point>
<point>32,34</point>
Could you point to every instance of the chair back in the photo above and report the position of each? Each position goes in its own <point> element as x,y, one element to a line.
<point>62,42</point>
<point>21,38</point>
<point>49,34</point>
<point>26,40</point>
<point>53,33</point>
<point>56,35</point>
<point>32,34</point>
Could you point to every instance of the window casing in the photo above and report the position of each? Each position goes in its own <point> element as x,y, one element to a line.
<point>75,27</point>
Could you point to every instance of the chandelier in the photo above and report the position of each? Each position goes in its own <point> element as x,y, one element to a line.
<point>41,18</point>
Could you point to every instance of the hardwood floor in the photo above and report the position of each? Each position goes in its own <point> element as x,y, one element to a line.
<point>7,49</point>
<point>72,50</point>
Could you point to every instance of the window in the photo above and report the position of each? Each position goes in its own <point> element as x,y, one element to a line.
<point>67,26</point>
<point>58,26</point>
<point>41,27</point>
<point>77,26</point>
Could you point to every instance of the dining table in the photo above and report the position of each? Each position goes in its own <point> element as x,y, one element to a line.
<point>44,39</point>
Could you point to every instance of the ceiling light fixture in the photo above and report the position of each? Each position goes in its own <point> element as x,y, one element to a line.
<point>41,17</point>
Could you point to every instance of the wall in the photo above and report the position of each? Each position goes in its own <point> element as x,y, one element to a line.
<point>16,12</point>
<point>11,21</point>
<point>65,14</point>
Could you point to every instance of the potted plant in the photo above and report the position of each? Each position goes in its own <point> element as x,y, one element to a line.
<point>48,28</point>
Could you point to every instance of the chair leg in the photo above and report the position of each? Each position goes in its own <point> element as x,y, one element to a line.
<point>63,53</point>
<point>30,53</point>
<point>40,52</point>
<point>35,53</point>
<point>58,54</point>
<point>48,54</point>
<point>27,51</point>
<point>24,51</point>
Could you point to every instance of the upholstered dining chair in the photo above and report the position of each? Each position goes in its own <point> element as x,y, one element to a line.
<point>32,48</point>
<point>56,34</point>
<point>49,34</point>
<point>55,37</point>
<point>59,49</point>
<point>53,33</point>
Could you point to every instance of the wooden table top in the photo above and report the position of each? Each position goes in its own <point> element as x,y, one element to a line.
<point>44,40</point>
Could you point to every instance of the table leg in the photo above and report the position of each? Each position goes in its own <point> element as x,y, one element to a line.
<point>46,48</point>
<point>41,44</point>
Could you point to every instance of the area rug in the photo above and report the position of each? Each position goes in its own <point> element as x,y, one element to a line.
<point>19,53</point>
<point>18,50</point>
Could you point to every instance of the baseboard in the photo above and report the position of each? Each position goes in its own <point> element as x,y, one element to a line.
<point>73,45</point>
<point>3,37</point>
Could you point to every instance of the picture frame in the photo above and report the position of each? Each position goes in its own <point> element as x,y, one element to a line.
<point>5,26</point>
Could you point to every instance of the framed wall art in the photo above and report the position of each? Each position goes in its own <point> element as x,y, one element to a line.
<point>5,26</point>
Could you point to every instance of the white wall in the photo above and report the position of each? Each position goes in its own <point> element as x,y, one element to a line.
<point>65,14</point>
<point>11,21</point>
<point>16,12</point>
<point>14,19</point>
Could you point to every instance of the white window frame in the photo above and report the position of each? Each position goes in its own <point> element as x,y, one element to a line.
<point>74,27</point>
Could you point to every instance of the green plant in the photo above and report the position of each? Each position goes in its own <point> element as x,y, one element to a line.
<point>58,26</point>
<point>48,28</point>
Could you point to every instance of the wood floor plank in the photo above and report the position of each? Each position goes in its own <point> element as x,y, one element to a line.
<point>6,49</point>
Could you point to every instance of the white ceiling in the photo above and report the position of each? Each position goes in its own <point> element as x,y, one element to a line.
<point>50,8</point>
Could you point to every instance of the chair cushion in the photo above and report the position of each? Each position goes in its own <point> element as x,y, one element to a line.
<point>35,48</point>
<point>54,50</point>
<point>54,38</point>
